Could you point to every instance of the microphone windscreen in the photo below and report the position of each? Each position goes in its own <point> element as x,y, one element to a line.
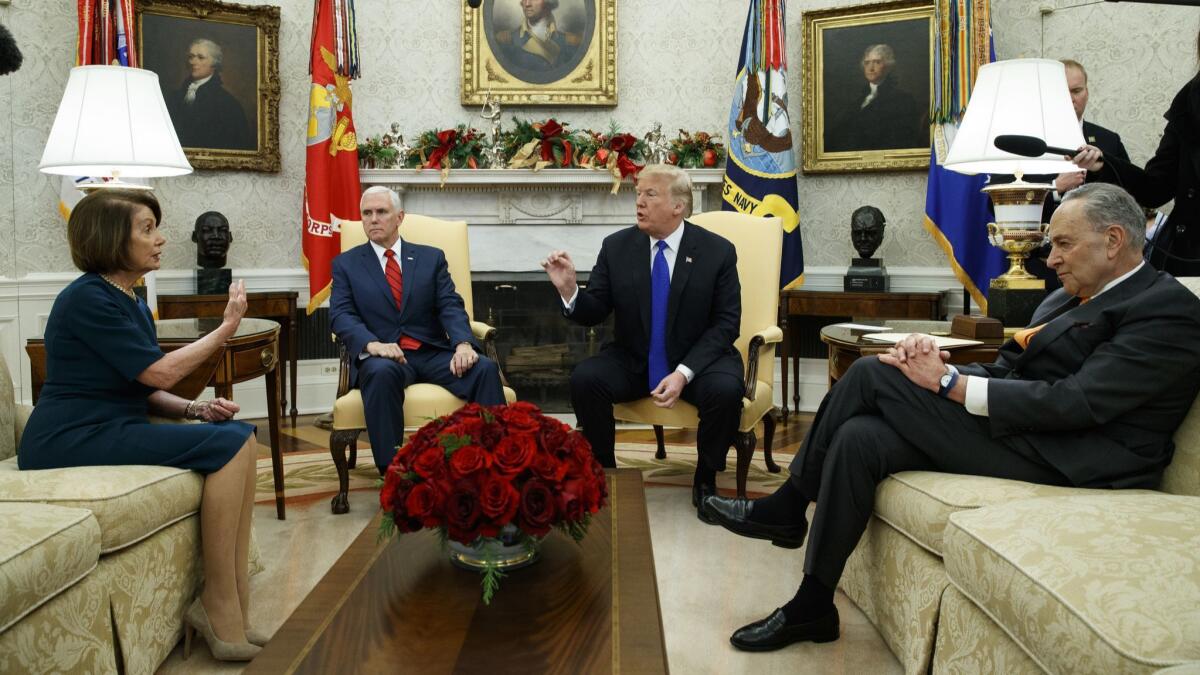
<point>10,56</point>
<point>1017,144</point>
<point>474,4</point>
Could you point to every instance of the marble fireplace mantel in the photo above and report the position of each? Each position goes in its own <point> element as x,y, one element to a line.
<point>518,216</point>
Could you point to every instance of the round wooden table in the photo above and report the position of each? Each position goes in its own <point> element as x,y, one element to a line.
<point>845,348</point>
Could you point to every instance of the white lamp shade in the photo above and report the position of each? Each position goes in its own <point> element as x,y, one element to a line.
<point>112,121</point>
<point>1019,96</point>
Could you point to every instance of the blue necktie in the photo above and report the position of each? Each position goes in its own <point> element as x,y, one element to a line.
<point>660,289</point>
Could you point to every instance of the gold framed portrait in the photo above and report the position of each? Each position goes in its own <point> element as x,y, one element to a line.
<point>218,66</point>
<point>540,52</point>
<point>867,86</point>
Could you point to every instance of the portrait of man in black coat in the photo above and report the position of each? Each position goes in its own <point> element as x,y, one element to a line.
<point>882,115</point>
<point>205,114</point>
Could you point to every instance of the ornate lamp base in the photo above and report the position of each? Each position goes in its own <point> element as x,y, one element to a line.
<point>1018,231</point>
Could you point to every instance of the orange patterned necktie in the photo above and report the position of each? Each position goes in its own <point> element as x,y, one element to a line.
<point>1023,336</point>
<point>391,270</point>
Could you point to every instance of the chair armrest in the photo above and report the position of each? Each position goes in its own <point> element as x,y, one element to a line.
<point>767,336</point>
<point>482,331</point>
<point>20,420</point>
<point>343,381</point>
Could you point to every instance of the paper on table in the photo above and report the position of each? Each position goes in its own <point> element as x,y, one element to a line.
<point>942,342</point>
<point>866,328</point>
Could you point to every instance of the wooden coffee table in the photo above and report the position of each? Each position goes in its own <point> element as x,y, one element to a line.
<point>400,607</point>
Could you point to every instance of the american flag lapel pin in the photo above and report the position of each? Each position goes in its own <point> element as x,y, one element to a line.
<point>687,258</point>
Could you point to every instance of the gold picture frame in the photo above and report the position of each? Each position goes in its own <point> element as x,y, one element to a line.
<point>231,119</point>
<point>575,65</point>
<point>874,126</point>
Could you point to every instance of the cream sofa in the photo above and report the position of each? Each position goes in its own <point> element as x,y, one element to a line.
<point>963,574</point>
<point>97,564</point>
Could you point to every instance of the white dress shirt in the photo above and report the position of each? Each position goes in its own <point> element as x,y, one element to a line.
<point>976,401</point>
<point>670,253</point>
<point>190,96</point>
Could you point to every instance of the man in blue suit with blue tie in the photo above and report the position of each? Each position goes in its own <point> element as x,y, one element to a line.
<point>395,308</point>
<point>673,289</point>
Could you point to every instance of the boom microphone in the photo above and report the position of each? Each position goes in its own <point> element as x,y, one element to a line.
<point>1029,146</point>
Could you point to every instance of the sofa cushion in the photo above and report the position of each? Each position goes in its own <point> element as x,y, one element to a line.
<point>43,550</point>
<point>1103,583</point>
<point>918,503</point>
<point>129,502</point>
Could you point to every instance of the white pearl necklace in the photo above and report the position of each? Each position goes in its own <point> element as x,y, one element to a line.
<point>119,287</point>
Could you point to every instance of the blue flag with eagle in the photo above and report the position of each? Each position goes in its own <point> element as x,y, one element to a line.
<point>760,176</point>
<point>956,212</point>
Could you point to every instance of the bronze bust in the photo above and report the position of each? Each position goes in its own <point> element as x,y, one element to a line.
<point>866,230</point>
<point>212,236</point>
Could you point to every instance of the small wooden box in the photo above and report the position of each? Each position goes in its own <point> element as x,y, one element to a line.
<point>977,327</point>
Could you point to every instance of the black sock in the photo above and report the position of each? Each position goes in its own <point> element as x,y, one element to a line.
<point>704,475</point>
<point>785,507</point>
<point>813,600</point>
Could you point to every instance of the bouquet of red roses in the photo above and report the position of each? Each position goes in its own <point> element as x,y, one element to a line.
<point>473,472</point>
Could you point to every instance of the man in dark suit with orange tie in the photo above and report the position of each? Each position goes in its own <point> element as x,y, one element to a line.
<point>395,308</point>
<point>1089,396</point>
<point>673,289</point>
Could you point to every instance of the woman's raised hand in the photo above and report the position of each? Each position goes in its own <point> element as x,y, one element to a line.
<point>236,309</point>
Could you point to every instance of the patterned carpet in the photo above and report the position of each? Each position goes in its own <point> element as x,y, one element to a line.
<point>309,472</point>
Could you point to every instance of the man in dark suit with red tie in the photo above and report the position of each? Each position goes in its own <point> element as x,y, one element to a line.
<point>1089,396</point>
<point>673,288</point>
<point>395,308</point>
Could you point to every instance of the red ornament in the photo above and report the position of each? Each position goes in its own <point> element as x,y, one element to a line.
<point>710,158</point>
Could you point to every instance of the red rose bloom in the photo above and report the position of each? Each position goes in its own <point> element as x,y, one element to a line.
<point>519,421</point>
<point>622,143</point>
<point>513,453</point>
<point>539,508</point>
<point>546,467</point>
<point>467,460</point>
<point>463,512</point>
<point>552,435</point>
<point>431,463</point>
<point>423,503</point>
<point>499,499</point>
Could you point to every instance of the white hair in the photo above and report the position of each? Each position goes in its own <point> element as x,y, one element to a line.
<point>679,183</point>
<point>214,50</point>
<point>379,189</point>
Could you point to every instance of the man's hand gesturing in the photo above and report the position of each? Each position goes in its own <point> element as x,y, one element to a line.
<point>561,270</point>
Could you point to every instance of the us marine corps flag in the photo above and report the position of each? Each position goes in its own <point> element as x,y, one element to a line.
<point>760,176</point>
<point>331,188</point>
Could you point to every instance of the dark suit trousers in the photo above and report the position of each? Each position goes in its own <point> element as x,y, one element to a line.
<point>875,422</point>
<point>382,382</point>
<point>602,380</point>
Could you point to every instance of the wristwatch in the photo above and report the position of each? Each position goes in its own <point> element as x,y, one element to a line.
<point>948,380</point>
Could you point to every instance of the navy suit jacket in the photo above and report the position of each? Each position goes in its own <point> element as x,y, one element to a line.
<point>704,307</point>
<point>1104,385</point>
<point>362,309</point>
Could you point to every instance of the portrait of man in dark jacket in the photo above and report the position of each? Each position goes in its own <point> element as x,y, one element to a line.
<point>205,114</point>
<point>882,116</point>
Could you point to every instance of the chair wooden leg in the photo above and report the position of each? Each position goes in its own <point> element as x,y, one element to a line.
<point>744,443</point>
<point>661,453</point>
<point>339,440</point>
<point>354,452</point>
<point>768,438</point>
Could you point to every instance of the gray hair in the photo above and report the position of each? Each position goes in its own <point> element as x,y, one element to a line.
<point>885,52</point>
<point>214,50</point>
<point>1104,205</point>
<point>679,184</point>
<point>379,189</point>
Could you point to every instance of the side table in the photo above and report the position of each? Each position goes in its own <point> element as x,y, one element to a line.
<point>842,304</point>
<point>279,306</point>
<point>845,348</point>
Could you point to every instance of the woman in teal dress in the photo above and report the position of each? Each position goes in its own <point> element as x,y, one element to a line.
<point>105,374</point>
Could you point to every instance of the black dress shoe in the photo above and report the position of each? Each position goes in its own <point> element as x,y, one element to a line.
<point>774,632</point>
<point>734,515</point>
<point>701,492</point>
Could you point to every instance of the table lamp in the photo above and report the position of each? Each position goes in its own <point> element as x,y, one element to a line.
<point>113,123</point>
<point>1025,97</point>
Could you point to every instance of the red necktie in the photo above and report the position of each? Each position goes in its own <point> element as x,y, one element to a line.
<point>391,270</point>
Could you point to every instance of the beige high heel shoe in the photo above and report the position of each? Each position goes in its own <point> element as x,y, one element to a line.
<point>196,620</point>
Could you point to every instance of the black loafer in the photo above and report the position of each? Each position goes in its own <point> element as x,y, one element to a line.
<point>734,515</point>
<point>774,632</point>
<point>700,493</point>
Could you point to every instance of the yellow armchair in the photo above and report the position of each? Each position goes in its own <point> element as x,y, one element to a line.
<point>759,244</point>
<point>421,401</point>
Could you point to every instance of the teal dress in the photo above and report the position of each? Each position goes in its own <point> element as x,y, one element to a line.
<point>92,410</point>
